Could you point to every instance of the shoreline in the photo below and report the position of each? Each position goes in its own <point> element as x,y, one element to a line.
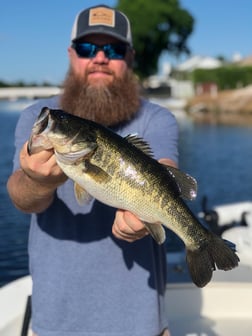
<point>231,107</point>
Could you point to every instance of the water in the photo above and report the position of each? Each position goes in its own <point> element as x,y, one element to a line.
<point>219,157</point>
<point>13,224</point>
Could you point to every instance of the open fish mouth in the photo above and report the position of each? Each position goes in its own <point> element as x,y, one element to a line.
<point>42,121</point>
<point>38,139</point>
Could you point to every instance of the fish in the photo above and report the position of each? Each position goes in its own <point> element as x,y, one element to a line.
<point>123,173</point>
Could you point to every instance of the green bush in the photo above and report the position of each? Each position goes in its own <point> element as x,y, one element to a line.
<point>227,77</point>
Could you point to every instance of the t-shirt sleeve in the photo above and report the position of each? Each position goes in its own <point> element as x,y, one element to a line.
<point>161,132</point>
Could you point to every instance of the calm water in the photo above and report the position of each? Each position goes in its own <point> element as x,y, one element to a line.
<point>219,157</point>
<point>13,224</point>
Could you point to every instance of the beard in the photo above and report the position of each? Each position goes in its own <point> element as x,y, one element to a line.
<point>106,103</point>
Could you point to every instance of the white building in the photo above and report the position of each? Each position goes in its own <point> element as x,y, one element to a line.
<point>199,62</point>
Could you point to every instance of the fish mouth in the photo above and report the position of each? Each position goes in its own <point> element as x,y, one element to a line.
<point>38,139</point>
<point>53,130</point>
<point>42,121</point>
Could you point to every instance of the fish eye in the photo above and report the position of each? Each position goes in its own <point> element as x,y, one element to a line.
<point>60,114</point>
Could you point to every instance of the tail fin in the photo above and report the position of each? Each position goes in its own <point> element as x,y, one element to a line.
<point>216,254</point>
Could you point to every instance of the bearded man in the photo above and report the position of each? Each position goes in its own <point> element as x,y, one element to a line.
<point>95,269</point>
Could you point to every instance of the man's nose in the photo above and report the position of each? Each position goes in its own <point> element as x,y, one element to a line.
<point>100,57</point>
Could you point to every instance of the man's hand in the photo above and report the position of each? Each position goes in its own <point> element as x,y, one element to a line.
<point>42,167</point>
<point>32,187</point>
<point>128,227</point>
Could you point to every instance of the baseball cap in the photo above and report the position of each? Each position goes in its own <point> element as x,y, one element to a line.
<point>102,19</point>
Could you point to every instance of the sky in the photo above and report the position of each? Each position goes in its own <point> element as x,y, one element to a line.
<point>34,36</point>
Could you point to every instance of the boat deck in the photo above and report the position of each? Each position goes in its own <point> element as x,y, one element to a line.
<point>222,308</point>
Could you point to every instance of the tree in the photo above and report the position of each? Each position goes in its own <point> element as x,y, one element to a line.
<point>157,26</point>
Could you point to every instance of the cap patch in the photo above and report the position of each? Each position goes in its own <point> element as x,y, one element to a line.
<point>101,16</point>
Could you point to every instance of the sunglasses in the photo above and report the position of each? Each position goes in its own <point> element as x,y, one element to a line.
<point>115,51</point>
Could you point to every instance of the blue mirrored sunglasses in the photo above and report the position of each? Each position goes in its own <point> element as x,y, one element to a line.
<point>112,51</point>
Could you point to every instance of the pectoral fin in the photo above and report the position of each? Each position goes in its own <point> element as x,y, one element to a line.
<point>82,196</point>
<point>96,173</point>
<point>157,231</point>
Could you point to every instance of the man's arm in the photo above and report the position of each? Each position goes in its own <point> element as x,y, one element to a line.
<point>32,187</point>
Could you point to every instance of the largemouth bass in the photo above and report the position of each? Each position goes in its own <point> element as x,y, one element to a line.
<point>122,173</point>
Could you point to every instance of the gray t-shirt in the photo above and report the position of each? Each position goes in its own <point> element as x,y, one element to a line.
<point>85,281</point>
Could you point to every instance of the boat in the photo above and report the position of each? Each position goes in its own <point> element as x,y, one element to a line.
<point>15,307</point>
<point>233,222</point>
<point>221,308</point>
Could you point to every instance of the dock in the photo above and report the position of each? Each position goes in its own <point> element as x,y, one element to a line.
<point>14,93</point>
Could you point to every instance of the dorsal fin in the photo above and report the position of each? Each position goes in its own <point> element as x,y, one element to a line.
<point>187,184</point>
<point>140,143</point>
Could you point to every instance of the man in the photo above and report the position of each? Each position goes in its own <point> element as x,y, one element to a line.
<point>95,269</point>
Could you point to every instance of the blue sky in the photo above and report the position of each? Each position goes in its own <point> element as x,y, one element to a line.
<point>34,36</point>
